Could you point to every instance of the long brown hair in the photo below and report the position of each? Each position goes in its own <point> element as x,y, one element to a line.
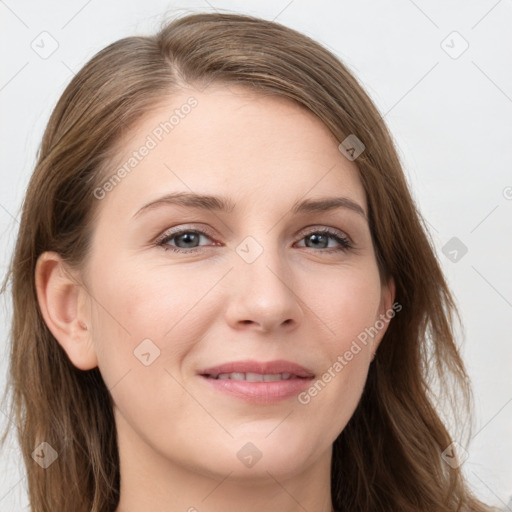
<point>389,456</point>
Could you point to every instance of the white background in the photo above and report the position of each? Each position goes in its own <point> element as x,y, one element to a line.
<point>449,112</point>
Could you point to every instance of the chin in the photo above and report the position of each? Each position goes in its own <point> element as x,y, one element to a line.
<point>259,453</point>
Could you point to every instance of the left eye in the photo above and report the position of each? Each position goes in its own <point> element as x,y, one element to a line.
<point>186,240</point>
<point>319,237</point>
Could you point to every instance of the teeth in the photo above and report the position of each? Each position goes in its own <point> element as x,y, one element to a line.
<point>254,377</point>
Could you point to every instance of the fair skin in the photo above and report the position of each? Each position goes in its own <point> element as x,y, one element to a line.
<point>299,301</point>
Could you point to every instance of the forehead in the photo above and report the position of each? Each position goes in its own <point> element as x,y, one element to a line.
<point>232,141</point>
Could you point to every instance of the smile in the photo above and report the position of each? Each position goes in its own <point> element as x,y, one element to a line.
<point>255,377</point>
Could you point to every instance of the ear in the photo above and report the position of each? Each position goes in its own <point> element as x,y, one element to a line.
<point>387,310</point>
<point>387,296</point>
<point>62,301</point>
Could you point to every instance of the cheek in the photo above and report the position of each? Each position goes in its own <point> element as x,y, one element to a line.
<point>348,303</point>
<point>345,302</point>
<point>160,312</point>
<point>142,334</point>
<point>153,302</point>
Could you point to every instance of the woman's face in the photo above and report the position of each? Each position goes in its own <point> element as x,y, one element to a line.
<point>183,286</point>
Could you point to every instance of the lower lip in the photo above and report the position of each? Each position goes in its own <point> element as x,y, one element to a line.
<point>260,392</point>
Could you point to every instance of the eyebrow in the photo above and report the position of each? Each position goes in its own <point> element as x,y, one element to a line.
<point>223,204</point>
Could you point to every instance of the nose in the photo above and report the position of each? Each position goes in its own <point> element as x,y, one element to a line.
<point>262,294</point>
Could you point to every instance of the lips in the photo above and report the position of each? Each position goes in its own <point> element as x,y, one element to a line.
<point>255,371</point>
<point>258,382</point>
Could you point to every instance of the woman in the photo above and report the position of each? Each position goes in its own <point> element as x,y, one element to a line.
<point>224,296</point>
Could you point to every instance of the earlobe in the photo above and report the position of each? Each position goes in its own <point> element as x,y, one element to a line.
<point>61,300</point>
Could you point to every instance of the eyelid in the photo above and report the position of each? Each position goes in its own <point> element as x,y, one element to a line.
<point>321,227</point>
<point>344,241</point>
<point>183,228</point>
<point>303,231</point>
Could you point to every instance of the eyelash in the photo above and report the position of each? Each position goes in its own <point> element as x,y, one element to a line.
<point>162,241</point>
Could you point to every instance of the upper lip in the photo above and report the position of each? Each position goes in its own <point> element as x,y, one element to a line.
<point>262,367</point>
